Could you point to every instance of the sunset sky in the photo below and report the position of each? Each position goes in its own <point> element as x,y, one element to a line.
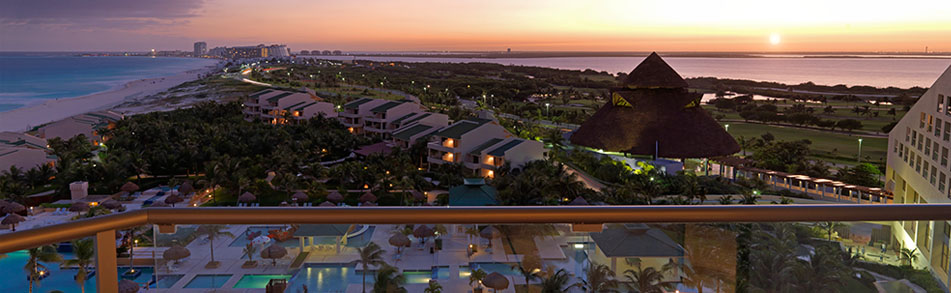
<point>523,25</point>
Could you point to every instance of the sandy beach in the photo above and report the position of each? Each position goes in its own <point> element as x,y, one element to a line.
<point>23,119</point>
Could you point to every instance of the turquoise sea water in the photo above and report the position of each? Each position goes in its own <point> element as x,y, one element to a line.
<point>31,78</point>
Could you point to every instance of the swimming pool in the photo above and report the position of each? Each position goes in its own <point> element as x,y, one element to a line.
<point>208,281</point>
<point>361,240</point>
<point>419,277</point>
<point>14,280</point>
<point>258,281</point>
<point>327,278</point>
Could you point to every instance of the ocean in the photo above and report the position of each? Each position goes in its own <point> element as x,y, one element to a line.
<point>31,78</point>
<point>877,72</point>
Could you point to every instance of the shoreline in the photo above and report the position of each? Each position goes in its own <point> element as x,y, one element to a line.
<point>24,119</point>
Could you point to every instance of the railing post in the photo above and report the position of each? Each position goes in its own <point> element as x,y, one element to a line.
<point>107,276</point>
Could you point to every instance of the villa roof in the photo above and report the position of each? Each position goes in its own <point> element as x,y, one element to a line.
<point>652,120</point>
<point>260,93</point>
<point>500,151</point>
<point>279,97</point>
<point>462,127</point>
<point>408,133</point>
<point>294,105</point>
<point>487,144</point>
<point>636,240</point>
<point>305,106</point>
<point>473,193</point>
<point>404,117</point>
<point>418,117</point>
<point>357,103</point>
<point>653,72</point>
<point>385,106</point>
<point>310,230</point>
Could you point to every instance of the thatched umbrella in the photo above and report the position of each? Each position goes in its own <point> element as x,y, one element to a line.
<point>111,204</point>
<point>129,187</point>
<point>327,204</point>
<point>496,281</point>
<point>300,197</point>
<point>12,220</point>
<point>186,188</point>
<point>274,252</point>
<point>399,241</point>
<point>653,113</point>
<point>418,196</point>
<point>13,207</point>
<point>128,286</point>
<point>368,197</point>
<point>422,232</point>
<point>335,196</point>
<point>158,204</point>
<point>78,207</point>
<point>173,199</point>
<point>3,204</point>
<point>578,201</point>
<point>176,253</point>
<point>490,233</point>
<point>247,197</point>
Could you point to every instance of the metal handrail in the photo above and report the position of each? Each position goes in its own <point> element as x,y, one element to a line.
<point>473,215</point>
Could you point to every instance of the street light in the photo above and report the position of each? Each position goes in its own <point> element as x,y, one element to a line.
<point>548,110</point>
<point>727,126</point>
<point>860,150</point>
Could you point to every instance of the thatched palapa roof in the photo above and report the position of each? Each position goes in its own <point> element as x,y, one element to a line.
<point>653,113</point>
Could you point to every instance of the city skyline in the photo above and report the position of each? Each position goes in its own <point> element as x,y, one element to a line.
<point>732,26</point>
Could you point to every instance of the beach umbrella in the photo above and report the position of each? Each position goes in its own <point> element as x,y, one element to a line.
<point>418,196</point>
<point>490,232</point>
<point>128,286</point>
<point>399,241</point>
<point>173,199</point>
<point>129,187</point>
<point>422,231</point>
<point>158,204</point>
<point>12,220</point>
<point>3,204</point>
<point>261,240</point>
<point>284,204</point>
<point>274,252</point>
<point>186,188</point>
<point>335,196</point>
<point>13,207</point>
<point>578,201</point>
<point>368,197</point>
<point>247,197</point>
<point>78,207</point>
<point>300,197</point>
<point>176,253</point>
<point>110,204</point>
<point>327,204</point>
<point>496,281</point>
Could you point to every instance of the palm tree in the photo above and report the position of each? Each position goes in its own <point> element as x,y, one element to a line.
<point>529,267</point>
<point>824,272</point>
<point>476,277</point>
<point>649,280</point>
<point>39,255</point>
<point>909,256</point>
<point>434,287</point>
<point>472,233</point>
<point>829,226</point>
<point>371,255</point>
<point>599,279</point>
<point>84,251</point>
<point>213,232</point>
<point>389,280</point>
<point>250,249</point>
<point>555,281</point>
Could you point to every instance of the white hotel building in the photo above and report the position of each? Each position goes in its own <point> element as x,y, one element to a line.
<point>918,171</point>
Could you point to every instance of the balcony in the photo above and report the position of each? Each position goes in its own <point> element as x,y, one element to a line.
<point>448,244</point>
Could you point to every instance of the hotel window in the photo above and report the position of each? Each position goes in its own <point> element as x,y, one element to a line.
<point>921,122</point>
<point>937,127</point>
<point>944,255</point>
<point>924,170</point>
<point>930,122</point>
<point>941,182</point>
<point>947,104</point>
<point>934,155</point>
<point>927,147</point>
<point>907,134</point>
<point>944,156</point>
<point>914,138</point>
<point>917,164</point>
<point>921,141</point>
<point>933,175</point>
<point>940,104</point>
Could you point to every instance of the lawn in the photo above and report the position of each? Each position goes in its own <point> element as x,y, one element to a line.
<point>839,148</point>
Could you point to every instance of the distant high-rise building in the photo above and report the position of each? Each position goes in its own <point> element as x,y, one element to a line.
<point>201,48</point>
<point>509,50</point>
<point>259,51</point>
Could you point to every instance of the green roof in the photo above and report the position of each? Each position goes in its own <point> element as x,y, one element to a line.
<point>7,153</point>
<point>294,105</point>
<point>357,103</point>
<point>100,116</point>
<point>417,118</point>
<point>500,151</point>
<point>21,142</point>
<point>480,148</point>
<point>278,97</point>
<point>386,106</point>
<point>408,133</point>
<point>260,93</point>
<point>404,117</point>
<point>458,129</point>
<point>475,194</point>
<point>305,106</point>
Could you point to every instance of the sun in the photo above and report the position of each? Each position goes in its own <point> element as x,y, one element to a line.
<point>774,39</point>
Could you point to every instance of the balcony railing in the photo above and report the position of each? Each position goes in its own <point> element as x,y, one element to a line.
<point>571,232</point>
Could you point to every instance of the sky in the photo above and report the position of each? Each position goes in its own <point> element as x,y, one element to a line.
<point>479,25</point>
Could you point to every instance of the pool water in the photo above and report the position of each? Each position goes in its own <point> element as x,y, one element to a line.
<point>14,277</point>
<point>418,277</point>
<point>327,278</point>
<point>258,281</point>
<point>208,281</point>
<point>167,281</point>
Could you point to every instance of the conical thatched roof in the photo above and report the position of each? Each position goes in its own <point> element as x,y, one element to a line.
<point>173,199</point>
<point>369,204</point>
<point>653,113</point>
<point>418,195</point>
<point>399,239</point>
<point>186,188</point>
<point>490,232</point>
<point>129,187</point>
<point>496,281</point>
<point>78,207</point>
<point>334,196</point>
<point>110,204</point>
<point>327,204</point>
<point>368,197</point>
<point>246,197</point>
<point>300,196</point>
<point>158,204</point>
<point>176,252</point>
<point>128,286</point>
<point>13,207</point>
<point>423,231</point>
<point>578,201</point>
<point>12,219</point>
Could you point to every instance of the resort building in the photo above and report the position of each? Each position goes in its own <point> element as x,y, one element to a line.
<point>280,107</point>
<point>381,118</point>
<point>481,145</point>
<point>473,192</point>
<point>918,171</point>
<point>23,158</point>
<point>354,112</point>
<point>487,158</point>
<point>16,139</point>
<point>85,124</point>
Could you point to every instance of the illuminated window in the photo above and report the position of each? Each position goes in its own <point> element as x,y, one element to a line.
<point>618,100</point>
